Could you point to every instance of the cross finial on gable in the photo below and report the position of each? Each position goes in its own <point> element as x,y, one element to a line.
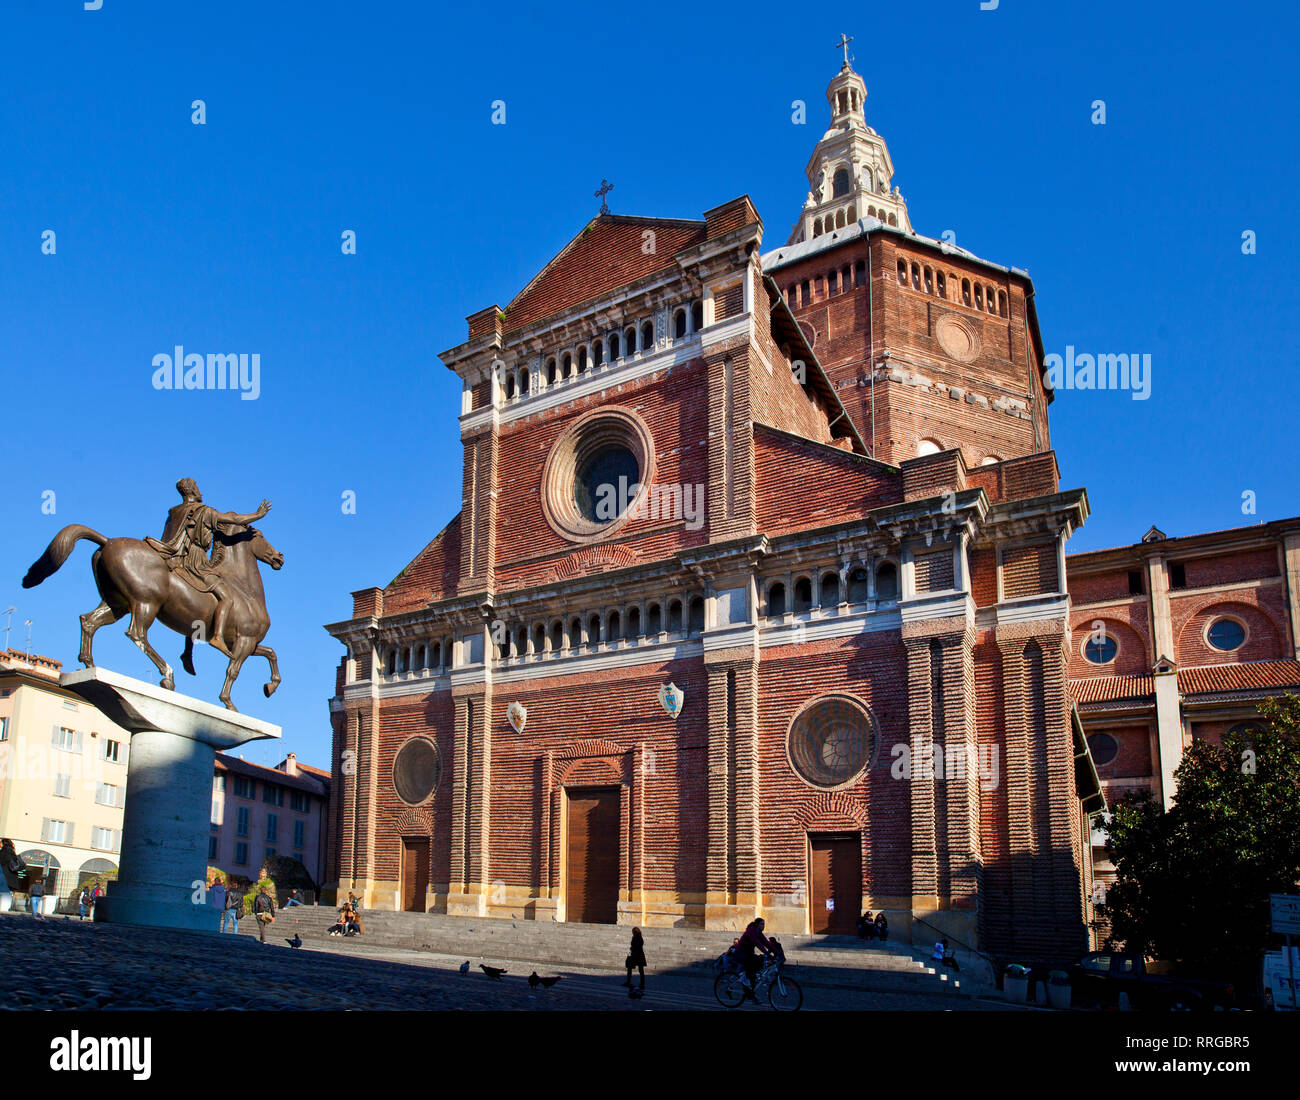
<point>605,188</point>
<point>843,44</point>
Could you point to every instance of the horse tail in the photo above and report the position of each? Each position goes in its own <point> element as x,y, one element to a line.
<point>57,552</point>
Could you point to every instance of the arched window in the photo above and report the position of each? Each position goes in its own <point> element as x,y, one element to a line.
<point>792,296</point>
<point>1002,303</point>
<point>582,358</point>
<point>510,386</point>
<point>614,629</point>
<point>647,335</point>
<point>902,273</point>
<point>853,213</point>
<point>634,622</point>
<point>886,581</point>
<point>679,324</point>
<point>697,614</point>
<point>859,585</point>
<point>840,184</point>
<point>802,595</point>
<point>916,276</point>
<point>940,286</point>
<point>539,638</point>
<point>653,619</point>
<point>419,656</point>
<point>613,347</point>
<point>833,283</point>
<point>675,617</point>
<point>929,281</point>
<point>860,273</point>
<point>965,291</point>
<point>550,372</point>
<point>567,364</point>
<point>893,220</point>
<point>697,315</point>
<point>928,447</point>
<point>776,601</point>
<point>597,353</point>
<point>575,633</point>
<point>390,666</point>
<point>593,632</point>
<point>839,219</point>
<point>629,341</point>
<point>435,655</point>
<point>979,296</point>
<point>830,590</point>
<point>817,227</point>
<point>521,641</point>
<point>805,292</point>
<point>557,636</point>
<point>524,379</point>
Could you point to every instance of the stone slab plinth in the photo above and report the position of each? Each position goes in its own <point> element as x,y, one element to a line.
<point>167,817</point>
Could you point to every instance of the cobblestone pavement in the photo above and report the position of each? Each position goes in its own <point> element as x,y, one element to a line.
<point>74,965</point>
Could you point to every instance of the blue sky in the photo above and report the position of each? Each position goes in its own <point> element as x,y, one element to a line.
<point>324,117</point>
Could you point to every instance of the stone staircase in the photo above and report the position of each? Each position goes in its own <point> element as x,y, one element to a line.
<point>828,961</point>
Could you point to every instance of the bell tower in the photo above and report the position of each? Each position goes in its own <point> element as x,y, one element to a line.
<point>850,173</point>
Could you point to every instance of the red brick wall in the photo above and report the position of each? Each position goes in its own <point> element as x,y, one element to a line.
<point>1247,565</point>
<point>1128,626</point>
<point>1261,610</point>
<point>432,575</point>
<point>1028,570</point>
<point>802,484</point>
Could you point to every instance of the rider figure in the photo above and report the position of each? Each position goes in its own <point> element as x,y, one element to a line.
<point>185,542</point>
<point>752,942</point>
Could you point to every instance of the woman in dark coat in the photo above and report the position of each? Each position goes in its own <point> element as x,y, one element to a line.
<point>636,958</point>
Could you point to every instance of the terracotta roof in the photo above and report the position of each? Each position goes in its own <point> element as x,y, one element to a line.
<point>606,255</point>
<point>319,772</point>
<point>308,783</point>
<point>1099,689</point>
<point>1246,676</point>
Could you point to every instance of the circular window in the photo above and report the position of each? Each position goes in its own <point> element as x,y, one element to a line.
<point>598,475</point>
<point>416,771</point>
<point>1100,649</point>
<point>604,482</point>
<point>832,741</point>
<point>1104,748</point>
<point>1227,635</point>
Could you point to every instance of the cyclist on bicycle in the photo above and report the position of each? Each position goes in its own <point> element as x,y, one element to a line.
<point>751,943</point>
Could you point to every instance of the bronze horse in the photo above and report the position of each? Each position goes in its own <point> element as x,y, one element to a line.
<point>132,576</point>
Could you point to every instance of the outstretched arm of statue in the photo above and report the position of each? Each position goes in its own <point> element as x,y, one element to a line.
<point>244,521</point>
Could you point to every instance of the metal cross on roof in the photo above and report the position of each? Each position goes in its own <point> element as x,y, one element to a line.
<point>605,188</point>
<point>843,44</point>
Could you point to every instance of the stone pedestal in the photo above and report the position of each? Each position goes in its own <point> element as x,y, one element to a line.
<point>168,796</point>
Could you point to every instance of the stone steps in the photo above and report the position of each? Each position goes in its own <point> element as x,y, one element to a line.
<point>825,960</point>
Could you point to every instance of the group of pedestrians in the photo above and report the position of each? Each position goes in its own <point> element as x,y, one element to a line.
<point>13,870</point>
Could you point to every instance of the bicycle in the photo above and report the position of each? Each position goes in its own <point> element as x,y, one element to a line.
<point>783,994</point>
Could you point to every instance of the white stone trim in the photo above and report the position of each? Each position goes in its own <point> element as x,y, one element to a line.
<point>1028,609</point>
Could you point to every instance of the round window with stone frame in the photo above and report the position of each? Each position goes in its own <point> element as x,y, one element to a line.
<point>1226,635</point>
<point>1104,749</point>
<point>832,741</point>
<point>416,771</point>
<point>1100,648</point>
<point>598,474</point>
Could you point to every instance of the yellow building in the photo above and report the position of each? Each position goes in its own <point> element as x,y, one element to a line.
<point>62,776</point>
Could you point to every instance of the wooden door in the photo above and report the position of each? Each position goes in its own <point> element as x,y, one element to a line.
<point>415,873</point>
<point>836,883</point>
<point>593,856</point>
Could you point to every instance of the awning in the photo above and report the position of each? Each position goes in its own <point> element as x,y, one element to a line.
<point>1087,784</point>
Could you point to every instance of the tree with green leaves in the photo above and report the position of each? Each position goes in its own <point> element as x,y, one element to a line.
<point>1193,881</point>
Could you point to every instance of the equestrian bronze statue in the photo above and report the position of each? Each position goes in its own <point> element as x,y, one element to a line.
<point>200,579</point>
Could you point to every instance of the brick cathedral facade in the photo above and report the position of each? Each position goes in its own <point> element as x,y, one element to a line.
<point>756,601</point>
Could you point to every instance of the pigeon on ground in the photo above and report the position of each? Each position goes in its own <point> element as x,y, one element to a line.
<point>296,942</point>
<point>492,972</point>
<point>464,967</point>
<point>533,980</point>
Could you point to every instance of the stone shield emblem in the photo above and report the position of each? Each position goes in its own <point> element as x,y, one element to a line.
<point>672,699</point>
<point>517,713</point>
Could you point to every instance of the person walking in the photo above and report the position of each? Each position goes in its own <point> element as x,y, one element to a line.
<point>12,869</point>
<point>264,911</point>
<point>84,902</point>
<point>217,898</point>
<point>635,958</point>
<point>230,910</point>
<point>35,896</point>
